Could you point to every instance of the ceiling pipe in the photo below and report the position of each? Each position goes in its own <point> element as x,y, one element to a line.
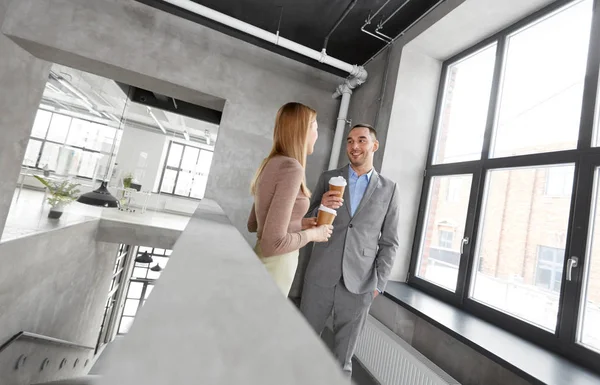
<point>370,19</point>
<point>198,9</point>
<point>337,23</point>
<point>358,74</point>
<point>437,4</point>
<point>383,22</point>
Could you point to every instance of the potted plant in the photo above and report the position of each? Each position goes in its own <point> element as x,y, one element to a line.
<point>61,194</point>
<point>127,180</point>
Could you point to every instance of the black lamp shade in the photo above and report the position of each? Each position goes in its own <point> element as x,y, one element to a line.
<point>99,197</point>
<point>156,268</point>
<point>144,258</point>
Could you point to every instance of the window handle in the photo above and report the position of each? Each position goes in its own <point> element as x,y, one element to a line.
<point>571,263</point>
<point>465,241</point>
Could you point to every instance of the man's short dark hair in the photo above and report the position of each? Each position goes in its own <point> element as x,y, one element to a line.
<point>372,129</point>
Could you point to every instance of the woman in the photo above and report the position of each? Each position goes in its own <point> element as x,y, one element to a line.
<point>281,198</point>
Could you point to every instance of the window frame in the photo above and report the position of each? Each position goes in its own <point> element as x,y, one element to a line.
<point>45,140</point>
<point>585,158</point>
<point>177,169</point>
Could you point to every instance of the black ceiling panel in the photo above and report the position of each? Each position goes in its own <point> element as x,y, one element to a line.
<point>307,22</point>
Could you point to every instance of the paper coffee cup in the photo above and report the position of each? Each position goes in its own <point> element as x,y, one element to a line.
<point>337,183</point>
<point>325,216</point>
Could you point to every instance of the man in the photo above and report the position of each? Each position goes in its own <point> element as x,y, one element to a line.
<point>345,274</point>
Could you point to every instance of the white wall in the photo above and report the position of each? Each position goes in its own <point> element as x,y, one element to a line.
<point>407,143</point>
<point>136,142</point>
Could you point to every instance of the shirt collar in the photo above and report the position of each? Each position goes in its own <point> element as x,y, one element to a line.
<point>354,175</point>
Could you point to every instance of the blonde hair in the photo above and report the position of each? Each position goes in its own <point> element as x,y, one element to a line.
<point>292,125</point>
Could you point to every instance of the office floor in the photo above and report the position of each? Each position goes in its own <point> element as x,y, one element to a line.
<point>29,215</point>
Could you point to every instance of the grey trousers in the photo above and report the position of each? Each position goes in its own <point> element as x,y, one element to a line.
<point>349,314</point>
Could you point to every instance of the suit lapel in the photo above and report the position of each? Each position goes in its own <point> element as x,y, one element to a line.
<point>370,189</point>
<point>344,172</point>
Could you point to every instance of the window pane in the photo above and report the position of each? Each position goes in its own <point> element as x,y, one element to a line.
<point>49,155</point>
<point>439,255</point>
<point>175,155</point>
<point>168,182</point>
<point>204,162</point>
<point>59,127</point>
<point>465,107</point>
<point>190,157</point>
<point>68,161</point>
<point>558,181</point>
<point>32,153</point>
<point>78,133</point>
<point>135,290</point>
<point>131,306</point>
<point>89,161</point>
<point>139,272</point>
<point>148,291</point>
<point>101,138</point>
<point>542,88</point>
<point>520,250</point>
<point>41,123</point>
<point>184,183</point>
<point>126,323</point>
<point>589,319</point>
<point>199,186</point>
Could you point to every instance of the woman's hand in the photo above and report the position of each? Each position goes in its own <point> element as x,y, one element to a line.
<point>309,223</point>
<point>321,233</point>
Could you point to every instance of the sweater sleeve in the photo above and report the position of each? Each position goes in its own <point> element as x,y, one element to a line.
<point>252,222</point>
<point>275,237</point>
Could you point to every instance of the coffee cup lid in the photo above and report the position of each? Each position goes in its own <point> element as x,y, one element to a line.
<point>337,181</point>
<point>327,210</point>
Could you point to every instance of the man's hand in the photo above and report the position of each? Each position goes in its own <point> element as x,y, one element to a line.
<point>332,199</point>
<point>375,293</point>
<point>308,223</point>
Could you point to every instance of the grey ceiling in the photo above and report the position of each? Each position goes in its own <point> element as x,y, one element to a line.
<point>308,21</point>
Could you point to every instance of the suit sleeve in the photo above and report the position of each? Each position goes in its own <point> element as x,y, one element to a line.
<point>252,222</point>
<point>388,242</point>
<point>317,195</point>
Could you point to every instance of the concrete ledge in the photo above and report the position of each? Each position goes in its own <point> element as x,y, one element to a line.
<point>216,317</point>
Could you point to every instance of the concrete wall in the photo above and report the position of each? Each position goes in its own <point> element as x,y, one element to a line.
<point>411,122</point>
<point>128,41</point>
<point>463,363</point>
<point>55,284</point>
<point>22,80</point>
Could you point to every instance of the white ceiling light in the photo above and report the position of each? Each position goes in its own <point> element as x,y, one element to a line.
<point>90,106</point>
<point>156,120</point>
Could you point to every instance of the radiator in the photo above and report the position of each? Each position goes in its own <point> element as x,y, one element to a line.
<point>393,361</point>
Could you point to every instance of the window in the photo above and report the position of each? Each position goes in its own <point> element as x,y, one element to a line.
<point>549,268</point>
<point>186,171</point>
<point>465,107</point>
<point>588,332</point>
<point>514,221</point>
<point>68,145</point>
<point>439,260</point>
<point>541,93</point>
<point>559,181</point>
<point>446,239</point>
<point>141,284</point>
<point>116,286</point>
<point>454,189</point>
<point>515,158</point>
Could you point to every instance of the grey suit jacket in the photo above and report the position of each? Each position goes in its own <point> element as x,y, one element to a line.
<point>362,248</point>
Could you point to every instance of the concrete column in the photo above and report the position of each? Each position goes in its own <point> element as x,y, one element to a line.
<point>22,81</point>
